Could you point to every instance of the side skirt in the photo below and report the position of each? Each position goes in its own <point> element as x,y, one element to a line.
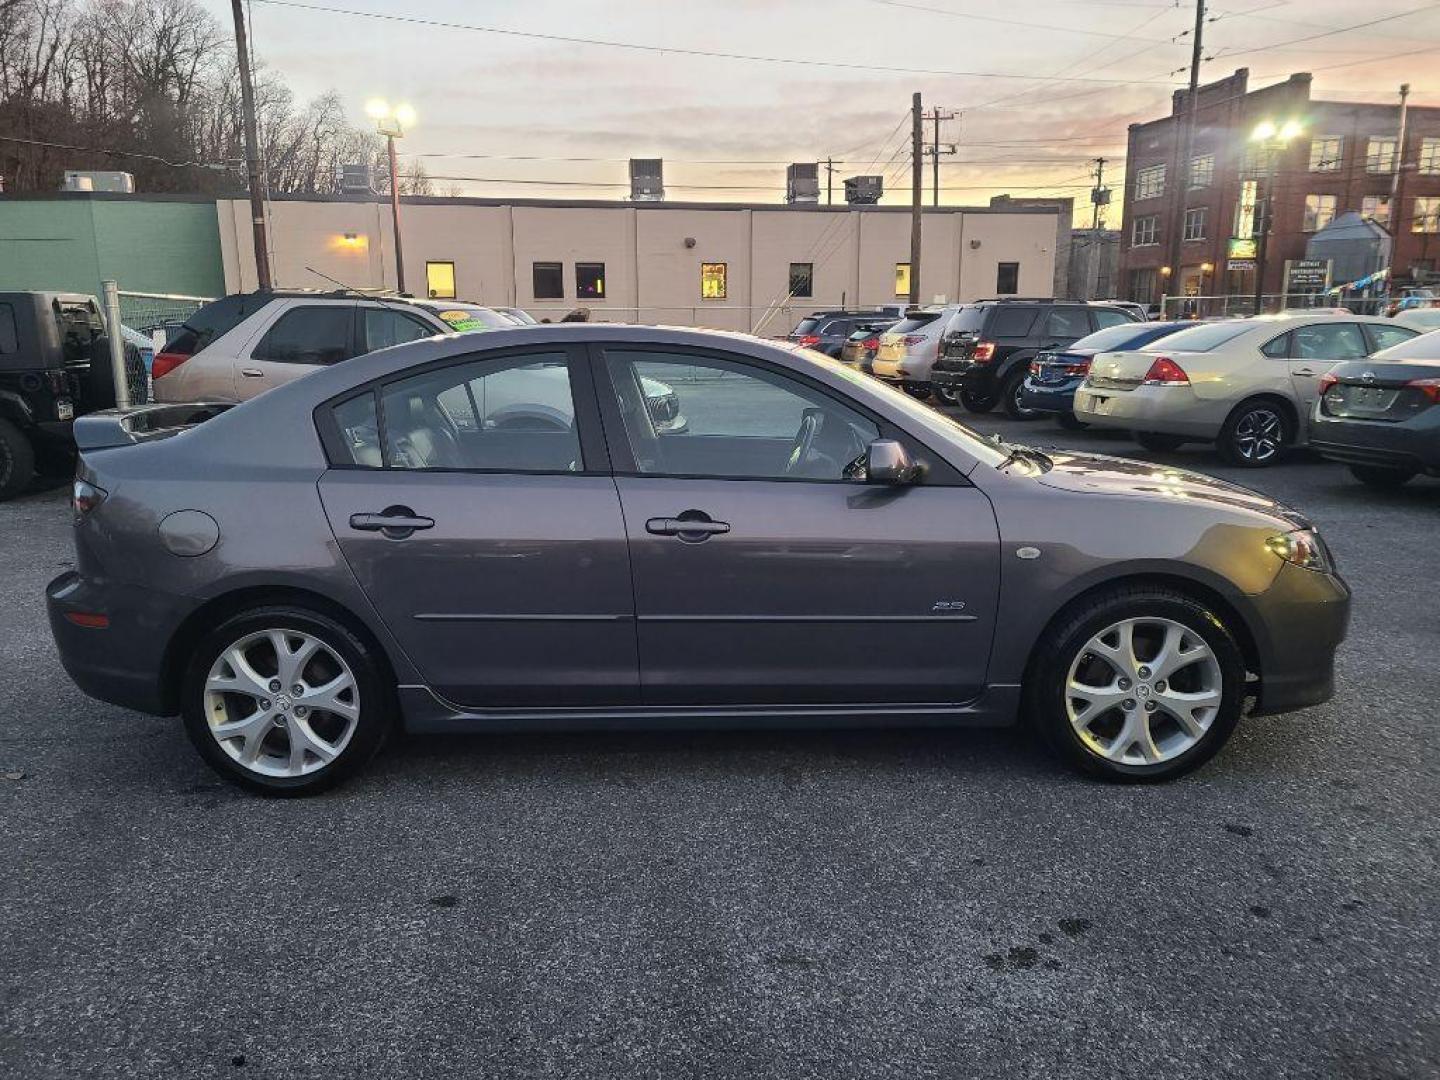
<point>426,713</point>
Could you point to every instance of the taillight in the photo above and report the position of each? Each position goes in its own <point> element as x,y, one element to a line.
<point>1429,387</point>
<point>870,343</point>
<point>1081,367</point>
<point>911,340</point>
<point>166,362</point>
<point>805,342</point>
<point>85,497</point>
<point>1326,381</point>
<point>1165,372</point>
<point>984,352</point>
<point>1034,367</point>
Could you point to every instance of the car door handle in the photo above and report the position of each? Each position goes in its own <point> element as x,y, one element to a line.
<point>252,373</point>
<point>1305,371</point>
<point>395,522</point>
<point>696,528</point>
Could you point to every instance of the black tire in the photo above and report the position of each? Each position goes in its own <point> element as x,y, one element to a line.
<point>976,402</point>
<point>374,687</point>
<point>1010,391</point>
<point>1377,476</point>
<point>946,396</point>
<point>1256,434</point>
<point>919,393</point>
<point>1070,422</point>
<point>17,461</point>
<point>1157,443</point>
<point>1066,639</point>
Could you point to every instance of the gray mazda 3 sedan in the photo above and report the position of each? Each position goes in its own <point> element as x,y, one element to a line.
<point>432,536</point>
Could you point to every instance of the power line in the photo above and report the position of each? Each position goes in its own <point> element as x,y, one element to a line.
<point>1006,22</point>
<point>1326,33</point>
<point>112,152</point>
<point>442,24</point>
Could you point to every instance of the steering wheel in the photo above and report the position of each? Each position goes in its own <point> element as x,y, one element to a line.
<point>804,459</point>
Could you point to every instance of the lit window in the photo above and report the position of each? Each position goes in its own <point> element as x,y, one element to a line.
<point>1430,156</point>
<point>1380,155</point>
<point>1376,208</point>
<point>1202,171</point>
<point>1150,182</point>
<point>440,280</point>
<point>1195,223</point>
<point>1246,209</point>
<point>1145,231</point>
<point>589,281</point>
<point>1319,211</point>
<point>1427,215</point>
<point>902,279</point>
<point>802,279</point>
<point>712,281</point>
<point>1325,154</point>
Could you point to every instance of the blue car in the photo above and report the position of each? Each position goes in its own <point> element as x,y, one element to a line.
<point>1054,376</point>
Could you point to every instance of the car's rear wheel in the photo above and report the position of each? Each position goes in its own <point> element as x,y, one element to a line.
<point>1139,684</point>
<point>919,393</point>
<point>17,461</point>
<point>1380,477</point>
<point>1255,435</point>
<point>1012,393</point>
<point>1070,422</point>
<point>947,396</point>
<point>976,402</point>
<point>285,701</point>
<point>1157,443</point>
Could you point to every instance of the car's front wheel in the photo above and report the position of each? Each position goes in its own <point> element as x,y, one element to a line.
<point>1380,477</point>
<point>17,461</point>
<point>1137,685</point>
<point>285,701</point>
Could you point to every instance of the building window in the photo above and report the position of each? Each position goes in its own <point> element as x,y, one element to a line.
<point>802,279</point>
<point>1376,208</point>
<point>1319,211</point>
<point>902,280</point>
<point>548,281</point>
<point>1253,161</point>
<point>1195,222</point>
<point>440,280</point>
<point>712,281</point>
<point>1430,156</point>
<point>1202,171</point>
<point>1427,215</point>
<point>589,281</point>
<point>1142,285</point>
<point>1145,231</point>
<point>1325,154</point>
<point>1007,279</point>
<point>1380,155</point>
<point>1150,182</point>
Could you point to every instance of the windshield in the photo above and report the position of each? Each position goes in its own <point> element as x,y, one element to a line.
<point>1204,337</point>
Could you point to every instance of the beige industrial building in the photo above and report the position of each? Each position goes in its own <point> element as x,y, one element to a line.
<point>731,266</point>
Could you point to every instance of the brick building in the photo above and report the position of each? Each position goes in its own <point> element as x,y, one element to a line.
<point>1343,159</point>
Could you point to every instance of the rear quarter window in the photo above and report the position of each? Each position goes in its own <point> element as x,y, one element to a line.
<point>214,320</point>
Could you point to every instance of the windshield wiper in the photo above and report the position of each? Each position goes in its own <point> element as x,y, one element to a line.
<point>1026,453</point>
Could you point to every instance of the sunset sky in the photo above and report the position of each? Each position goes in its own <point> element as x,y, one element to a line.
<point>1043,86</point>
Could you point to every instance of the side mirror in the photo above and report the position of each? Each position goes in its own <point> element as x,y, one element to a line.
<point>887,462</point>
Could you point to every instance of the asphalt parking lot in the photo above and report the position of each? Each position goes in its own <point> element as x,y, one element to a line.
<point>906,904</point>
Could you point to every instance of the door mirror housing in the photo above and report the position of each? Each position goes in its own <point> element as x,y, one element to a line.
<point>888,462</point>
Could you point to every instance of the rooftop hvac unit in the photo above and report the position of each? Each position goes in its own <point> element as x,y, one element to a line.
<point>802,182</point>
<point>86,180</point>
<point>647,179</point>
<point>864,190</point>
<point>355,180</point>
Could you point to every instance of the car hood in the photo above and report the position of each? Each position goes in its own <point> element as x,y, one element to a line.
<point>1100,474</point>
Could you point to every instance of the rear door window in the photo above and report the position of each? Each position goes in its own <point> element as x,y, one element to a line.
<point>316,334</point>
<point>1329,341</point>
<point>384,327</point>
<point>1013,322</point>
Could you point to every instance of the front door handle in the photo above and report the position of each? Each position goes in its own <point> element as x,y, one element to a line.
<point>692,526</point>
<point>252,373</point>
<point>396,522</point>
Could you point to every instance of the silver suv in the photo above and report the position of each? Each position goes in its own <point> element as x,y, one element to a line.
<point>242,345</point>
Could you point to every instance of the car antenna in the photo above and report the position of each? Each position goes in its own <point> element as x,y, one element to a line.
<point>350,288</point>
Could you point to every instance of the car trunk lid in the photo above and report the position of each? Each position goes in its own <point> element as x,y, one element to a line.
<point>1125,370</point>
<point>143,423</point>
<point>1374,390</point>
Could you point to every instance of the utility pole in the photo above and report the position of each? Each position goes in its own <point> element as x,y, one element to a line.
<point>1186,144</point>
<point>1098,193</point>
<point>917,154</point>
<point>829,181</point>
<point>252,151</point>
<point>1394,215</point>
<point>934,149</point>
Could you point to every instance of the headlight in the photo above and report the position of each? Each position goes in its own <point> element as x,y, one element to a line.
<point>1304,548</point>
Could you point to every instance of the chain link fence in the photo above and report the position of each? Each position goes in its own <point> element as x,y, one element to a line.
<point>158,315</point>
<point>1239,305</point>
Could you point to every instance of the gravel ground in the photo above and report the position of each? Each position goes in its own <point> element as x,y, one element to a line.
<point>907,904</point>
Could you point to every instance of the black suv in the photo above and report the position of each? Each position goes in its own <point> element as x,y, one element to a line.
<point>986,352</point>
<point>826,331</point>
<point>54,366</point>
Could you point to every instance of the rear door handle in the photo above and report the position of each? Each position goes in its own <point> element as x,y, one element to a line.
<point>396,522</point>
<point>1306,371</point>
<point>252,373</point>
<point>690,529</point>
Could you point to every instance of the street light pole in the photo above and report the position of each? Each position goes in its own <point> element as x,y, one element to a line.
<point>1273,139</point>
<point>392,124</point>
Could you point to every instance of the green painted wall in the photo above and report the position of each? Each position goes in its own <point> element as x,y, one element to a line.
<point>73,243</point>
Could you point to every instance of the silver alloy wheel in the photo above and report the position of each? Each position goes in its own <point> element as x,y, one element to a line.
<point>1259,434</point>
<point>1143,691</point>
<point>947,396</point>
<point>281,702</point>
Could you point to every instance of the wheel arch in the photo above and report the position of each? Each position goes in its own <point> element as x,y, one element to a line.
<point>218,608</point>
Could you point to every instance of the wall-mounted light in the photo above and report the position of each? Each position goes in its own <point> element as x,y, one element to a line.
<point>351,241</point>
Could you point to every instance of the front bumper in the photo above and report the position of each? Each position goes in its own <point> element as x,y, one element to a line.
<point>1167,410</point>
<point>123,663</point>
<point>1298,624</point>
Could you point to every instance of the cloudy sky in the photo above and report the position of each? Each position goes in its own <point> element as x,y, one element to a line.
<point>1043,86</point>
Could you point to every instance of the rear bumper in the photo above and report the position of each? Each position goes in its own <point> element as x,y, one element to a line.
<point>1300,622</point>
<point>123,663</point>
<point>961,375</point>
<point>1412,445</point>
<point>1052,399</point>
<point>1169,410</point>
